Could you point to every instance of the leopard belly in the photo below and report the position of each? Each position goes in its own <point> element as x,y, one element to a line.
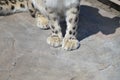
<point>59,6</point>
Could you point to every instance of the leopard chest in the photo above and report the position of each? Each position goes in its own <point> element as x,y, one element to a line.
<point>56,5</point>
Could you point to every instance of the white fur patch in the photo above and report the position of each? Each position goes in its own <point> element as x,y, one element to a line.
<point>56,4</point>
<point>60,3</point>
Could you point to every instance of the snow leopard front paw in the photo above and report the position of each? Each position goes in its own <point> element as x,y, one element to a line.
<point>42,22</point>
<point>70,44</point>
<point>54,40</point>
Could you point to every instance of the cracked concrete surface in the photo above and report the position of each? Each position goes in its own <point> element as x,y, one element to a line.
<point>25,55</point>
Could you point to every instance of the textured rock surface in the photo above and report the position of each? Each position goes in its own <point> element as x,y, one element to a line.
<point>25,55</point>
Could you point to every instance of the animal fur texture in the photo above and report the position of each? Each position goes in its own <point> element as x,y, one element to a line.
<point>48,14</point>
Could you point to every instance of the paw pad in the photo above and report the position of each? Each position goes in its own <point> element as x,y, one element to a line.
<point>70,44</point>
<point>54,41</point>
<point>42,22</point>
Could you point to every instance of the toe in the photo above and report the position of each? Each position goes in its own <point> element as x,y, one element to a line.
<point>54,41</point>
<point>70,44</point>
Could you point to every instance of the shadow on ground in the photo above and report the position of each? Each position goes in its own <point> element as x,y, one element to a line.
<point>92,22</point>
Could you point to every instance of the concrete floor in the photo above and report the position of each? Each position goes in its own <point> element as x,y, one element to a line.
<point>25,55</point>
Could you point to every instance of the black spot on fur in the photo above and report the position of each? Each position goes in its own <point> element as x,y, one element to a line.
<point>56,32</point>
<point>22,5</point>
<point>32,5</point>
<point>12,7</point>
<point>3,2</point>
<point>53,32</point>
<point>70,32</point>
<point>70,20</point>
<point>1,8</point>
<point>13,1</point>
<point>33,15</point>
<point>52,27</point>
<point>76,19</point>
<point>74,28</point>
<point>21,0</point>
<point>74,33</point>
<point>54,18</point>
<point>31,11</point>
<point>73,20</point>
<point>74,12</point>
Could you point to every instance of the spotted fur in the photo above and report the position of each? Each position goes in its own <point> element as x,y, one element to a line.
<point>14,6</point>
<point>54,10</point>
<point>48,14</point>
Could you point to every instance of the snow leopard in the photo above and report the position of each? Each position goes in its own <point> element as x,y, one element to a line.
<point>48,14</point>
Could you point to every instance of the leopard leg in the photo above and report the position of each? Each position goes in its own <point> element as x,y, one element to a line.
<point>70,42</point>
<point>32,9</point>
<point>55,39</point>
<point>42,21</point>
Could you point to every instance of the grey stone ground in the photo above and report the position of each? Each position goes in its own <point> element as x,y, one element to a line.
<point>25,55</point>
